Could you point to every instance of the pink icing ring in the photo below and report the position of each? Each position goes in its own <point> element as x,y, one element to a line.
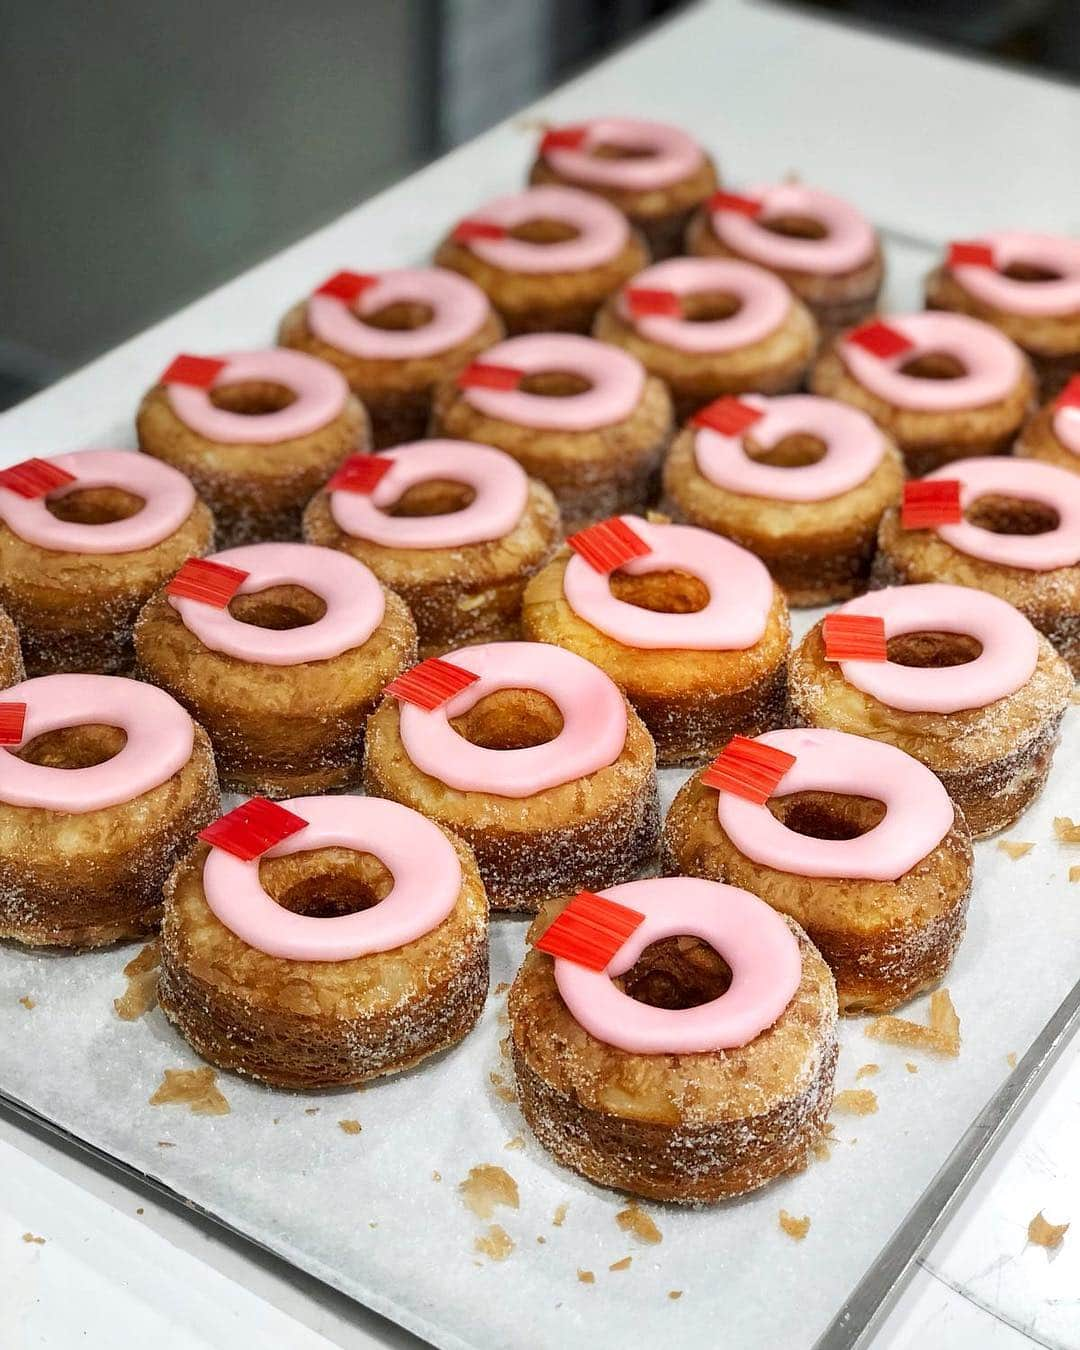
<point>739,585</point>
<point>617,380</point>
<point>849,241</point>
<point>673,155</point>
<point>1054,253</point>
<point>353,597</point>
<point>160,739</point>
<point>854,447</point>
<point>459,310</point>
<point>764,304</point>
<point>755,941</point>
<point>1010,648</point>
<point>992,363</point>
<point>320,389</point>
<point>918,812</point>
<point>602,231</point>
<point>1066,427</point>
<point>499,483</point>
<point>1027,480</point>
<point>592,737</point>
<point>425,868</point>
<point>168,500</point>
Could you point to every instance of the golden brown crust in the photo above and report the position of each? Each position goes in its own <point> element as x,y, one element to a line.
<point>692,1129</point>
<point>993,761</point>
<point>593,474</point>
<point>1051,600</point>
<point>585,834</point>
<point>11,662</point>
<point>885,941</point>
<point>775,365</point>
<point>280,731</point>
<point>313,1024</point>
<point>256,492</point>
<point>90,880</point>
<point>929,439</point>
<point>692,702</point>
<point>457,596</point>
<point>1038,441</point>
<point>75,611</point>
<point>396,394</point>
<point>819,552</point>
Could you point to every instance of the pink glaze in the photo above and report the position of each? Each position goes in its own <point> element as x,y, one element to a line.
<point>425,869</point>
<point>1010,648</point>
<point>754,940</point>
<point>168,499</point>
<point>353,597</point>
<point>1053,253</point>
<point>320,390</point>
<point>764,304</point>
<point>592,737</point>
<point>918,812</point>
<point>458,311</point>
<point>992,363</point>
<point>854,447</point>
<point>1066,427</point>
<point>673,155</point>
<point>616,377</point>
<point>739,585</point>
<point>602,232</point>
<point>849,241</point>
<point>499,483</point>
<point>160,737</point>
<point>1028,480</point>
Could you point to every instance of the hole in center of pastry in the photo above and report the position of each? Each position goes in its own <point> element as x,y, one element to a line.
<point>934,366</point>
<point>543,231</point>
<point>791,452</point>
<point>510,719</point>
<point>662,592</point>
<point>278,607</point>
<point>795,227</point>
<point>827,815</point>
<point>437,498</point>
<point>1012,515</point>
<point>74,747</point>
<point>709,306</point>
<point>95,506</point>
<point>603,151</point>
<point>676,973</point>
<point>252,398</point>
<point>555,384</point>
<point>399,317</point>
<point>934,651</point>
<point>1022,271</point>
<point>326,883</point>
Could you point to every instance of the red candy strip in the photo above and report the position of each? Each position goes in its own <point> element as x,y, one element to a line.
<point>969,253</point>
<point>854,637</point>
<point>1070,395</point>
<point>35,478</point>
<point>732,201</point>
<point>360,473</point>
<point>249,830</point>
<point>728,416</point>
<point>482,376</point>
<point>211,583</point>
<point>929,502</point>
<point>430,684</point>
<point>589,931</point>
<point>748,768</point>
<point>608,545</point>
<point>563,138</point>
<point>640,301</point>
<point>198,371</point>
<point>879,339</point>
<point>465,230</point>
<point>12,721</point>
<point>346,285</point>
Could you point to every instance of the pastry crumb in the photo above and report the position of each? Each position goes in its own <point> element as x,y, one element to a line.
<point>911,1068</point>
<point>541,1240</point>
<point>142,977</point>
<point>516,1143</point>
<point>941,1035</point>
<point>195,1088</point>
<point>502,1090</point>
<point>634,1220</point>
<point>1044,1234</point>
<point>867,1071</point>
<point>496,1244</point>
<point>140,1210</point>
<point>164,1143</point>
<point>40,1241</point>
<point>1015,848</point>
<point>586,1277</point>
<point>624,1264</point>
<point>560,1215</point>
<point>350,1126</point>
<point>1010,1059</point>
<point>1068,831</point>
<point>501,987</point>
<point>794,1228</point>
<point>436,1176</point>
<point>674,1293</point>
<point>311,1110</point>
<point>856,1102</point>
<point>486,1187</point>
<point>28,1003</point>
<point>1074,874</point>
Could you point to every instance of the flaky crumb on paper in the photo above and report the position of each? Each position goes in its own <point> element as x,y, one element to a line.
<point>487,1187</point>
<point>586,1277</point>
<point>1068,831</point>
<point>1074,873</point>
<point>1015,848</point>
<point>1044,1234</point>
<point>794,1228</point>
<point>559,1217</point>
<point>311,1110</point>
<point>142,977</point>
<point>867,1071</point>
<point>496,1244</point>
<point>1010,1059</point>
<point>624,1264</point>
<point>634,1220</point>
<point>514,1144</point>
<point>195,1088</point>
<point>856,1102</point>
<point>501,987</point>
<point>502,1090</point>
<point>674,1293</point>
<point>349,1126</point>
<point>40,1241</point>
<point>436,1176</point>
<point>942,1035</point>
<point>911,1068</point>
<point>28,1003</point>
